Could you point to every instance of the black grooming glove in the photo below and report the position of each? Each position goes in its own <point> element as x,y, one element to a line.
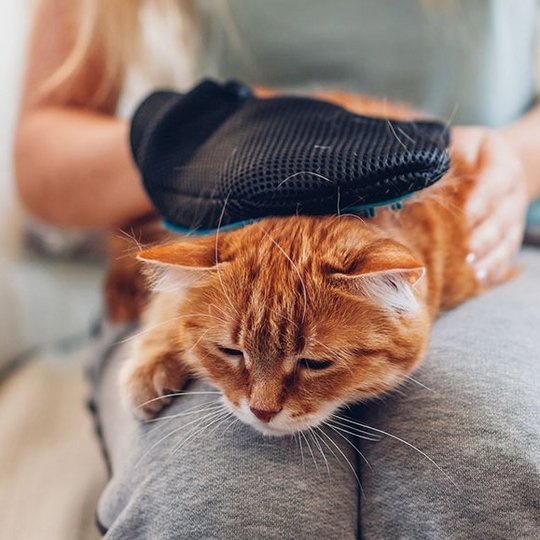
<point>220,156</point>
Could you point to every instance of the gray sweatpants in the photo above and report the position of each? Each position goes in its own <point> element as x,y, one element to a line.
<point>462,460</point>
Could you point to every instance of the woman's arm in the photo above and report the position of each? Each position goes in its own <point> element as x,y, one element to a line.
<point>72,159</point>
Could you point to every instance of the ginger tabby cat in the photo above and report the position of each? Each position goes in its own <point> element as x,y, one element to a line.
<point>291,318</point>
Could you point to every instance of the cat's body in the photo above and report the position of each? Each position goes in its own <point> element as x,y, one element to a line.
<point>293,317</point>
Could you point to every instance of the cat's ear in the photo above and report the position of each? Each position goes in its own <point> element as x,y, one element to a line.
<point>385,271</point>
<point>176,265</point>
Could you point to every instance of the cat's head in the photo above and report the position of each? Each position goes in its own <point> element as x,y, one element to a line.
<point>293,317</point>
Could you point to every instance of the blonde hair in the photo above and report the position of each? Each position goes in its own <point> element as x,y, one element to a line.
<point>112,28</point>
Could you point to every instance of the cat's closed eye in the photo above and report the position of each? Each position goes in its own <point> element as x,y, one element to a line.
<point>229,352</point>
<point>315,365</point>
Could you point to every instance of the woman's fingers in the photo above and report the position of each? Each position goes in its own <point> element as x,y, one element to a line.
<point>500,173</point>
<point>492,186</point>
<point>508,214</point>
<point>496,264</point>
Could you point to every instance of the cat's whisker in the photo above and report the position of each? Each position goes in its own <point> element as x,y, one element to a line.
<point>338,432</point>
<point>227,417</point>
<point>177,394</point>
<point>344,457</point>
<point>220,309</point>
<point>403,441</point>
<point>326,444</point>
<point>279,314</point>
<point>226,425</point>
<point>164,438</point>
<point>419,383</point>
<point>196,409</point>
<point>392,129</point>
<point>311,452</point>
<point>337,352</point>
<point>447,126</point>
<point>130,251</point>
<point>198,422</point>
<point>355,216</point>
<point>147,329</point>
<point>340,420</point>
<point>132,238</point>
<point>292,440</point>
<point>293,264</point>
<point>301,452</point>
<point>294,175</point>
<point>337,458</point>
<point>216,254</point>
<point>450,119</point>
<point>173,432</point>
<point>356,434</point>
<point>406,135</point>
<point>315,438</point>
<point>200,338</point>
<point>127,254</point>
<point>234,421</point>
<point>180,415</point>
<point>209,316</point>
<point>218,417</point>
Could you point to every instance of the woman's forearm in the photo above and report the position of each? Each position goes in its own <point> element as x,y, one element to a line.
<point>74,168</point>
<point>72,158</point>
<point>524,136</point>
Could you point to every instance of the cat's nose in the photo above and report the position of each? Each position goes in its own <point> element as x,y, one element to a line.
<point>264,416</point>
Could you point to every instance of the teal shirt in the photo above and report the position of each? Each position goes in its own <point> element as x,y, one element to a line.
<point>465,61</point>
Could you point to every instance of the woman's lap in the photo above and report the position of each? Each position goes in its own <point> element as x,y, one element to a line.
<point>479,421</point>
<point>174,479</point>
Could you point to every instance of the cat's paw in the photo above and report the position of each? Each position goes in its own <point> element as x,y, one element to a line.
<point>149,386</point>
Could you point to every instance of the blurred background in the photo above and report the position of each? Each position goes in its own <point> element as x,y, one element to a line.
<point>51,471</point>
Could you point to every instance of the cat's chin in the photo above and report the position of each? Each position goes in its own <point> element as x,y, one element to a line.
<point>270,431</point>
<point>280,426</point>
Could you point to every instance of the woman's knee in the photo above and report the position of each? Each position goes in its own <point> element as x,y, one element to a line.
<point>199,473</point>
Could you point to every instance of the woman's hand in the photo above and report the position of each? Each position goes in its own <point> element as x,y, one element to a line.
<point>497,205</point>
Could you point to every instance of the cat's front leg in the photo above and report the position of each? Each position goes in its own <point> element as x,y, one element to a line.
<point>151,376</point>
